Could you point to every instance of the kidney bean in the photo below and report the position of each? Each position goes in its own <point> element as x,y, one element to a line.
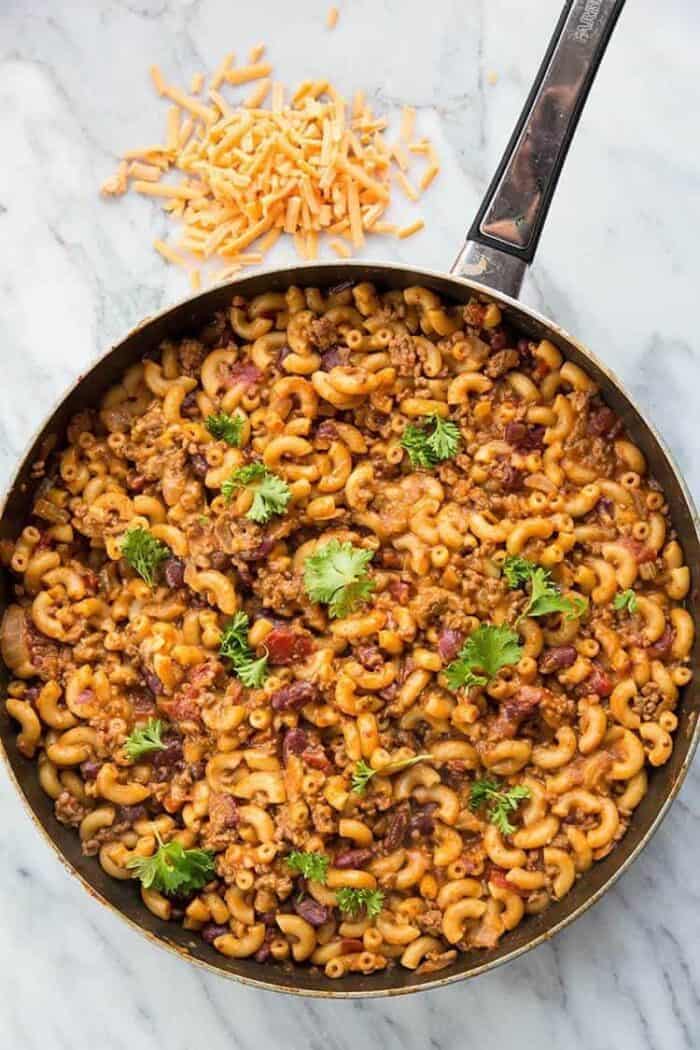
<point>212,930</point>
<point>90,769</point>
<point>199,465</point>
<point>295,741</point>
<point>397,829</point>
<point>422,820</point>
<point>294,695</point>
<point>174,572</point>
<point>524,436</point>
<point>189,405</point>
<point>557,658</point>
<point>219,561</point>
<point>165,761</point>
<point>312,911</point>
<point>449,644</point>
<point>515,710</point>
<point>598,682</point>
<point>337,356</point>
<point>515,433</point>
<point>152,681</point>
<point>263,953</point>
<point>660,649</point>
<point>511,478</point>
<point>352,858</point>
<point>131,813</point>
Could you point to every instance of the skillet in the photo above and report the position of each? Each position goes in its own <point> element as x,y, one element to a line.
<point>500,245</point>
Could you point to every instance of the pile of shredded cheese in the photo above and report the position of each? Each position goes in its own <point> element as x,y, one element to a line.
<point>308,166</point>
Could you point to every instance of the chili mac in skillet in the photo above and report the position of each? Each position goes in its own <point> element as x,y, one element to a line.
<point>349,630</point>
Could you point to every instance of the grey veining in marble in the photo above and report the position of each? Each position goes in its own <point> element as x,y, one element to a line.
<point>618,266</point>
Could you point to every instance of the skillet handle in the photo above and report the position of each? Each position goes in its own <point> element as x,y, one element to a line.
<point>504,235</point>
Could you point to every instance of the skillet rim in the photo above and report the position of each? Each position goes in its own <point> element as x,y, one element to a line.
<point>366,269</point>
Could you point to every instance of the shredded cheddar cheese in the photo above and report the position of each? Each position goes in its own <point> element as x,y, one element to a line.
<point>241,172</point>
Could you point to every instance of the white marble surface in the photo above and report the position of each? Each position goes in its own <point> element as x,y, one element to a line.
<point>617,266</point>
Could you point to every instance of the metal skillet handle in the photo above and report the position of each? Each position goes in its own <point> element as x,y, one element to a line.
<point>504,235</point>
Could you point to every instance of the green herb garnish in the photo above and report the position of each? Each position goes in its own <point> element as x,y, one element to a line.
<point>270,493</point>
<point>226,428</point>
<point>625,600</point>
<point>312,866</point>
<point>482,656</point>
<point>144,739</point>
<point>362,773</point>
<point>545,596</point>
<point>427,447</point>
<point>144,553</point>
<point>353,901</point>
<point>234,647</point>
<point>174,869</point>
<point>336,574</point>
<point>499,803</point>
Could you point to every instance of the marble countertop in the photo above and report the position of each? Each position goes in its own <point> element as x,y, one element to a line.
<point>617,266</point>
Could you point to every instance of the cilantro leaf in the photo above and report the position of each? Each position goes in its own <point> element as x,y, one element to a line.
<point>427,447</point>
<point>270,493</point>
<point>144,739</point>
<point>545,596</point>
<point>482,656</point>
<point>144,553</point>
<point>354,901</point>
<point>252,672</point>
<point>174,869</point>
<point>362,773</point>
<point>312,866</point>
<point>517,570</point>
<point>234,647</point>
<point>336,574</point>
<point>625,600</point>
<point>226,428</point>
<point>498,802</point>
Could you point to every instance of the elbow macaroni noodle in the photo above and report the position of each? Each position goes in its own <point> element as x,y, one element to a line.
<point>325,385</point>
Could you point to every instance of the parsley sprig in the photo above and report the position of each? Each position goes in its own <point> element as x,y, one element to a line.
<point>312,866</point>
<point>353,901</point>
<point>336,574</point>
<point>226,428</point>
<point>174,869</point>
<point>499,803</point>
<point>362,773</point>
<point>625,600</point>
<point>144,553</point>
<point>431,441</point>
<point>482,656</point>
<point>270,493</point>
<point>234,647</point>
<point>545,596</point>
<point>144,739</point>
